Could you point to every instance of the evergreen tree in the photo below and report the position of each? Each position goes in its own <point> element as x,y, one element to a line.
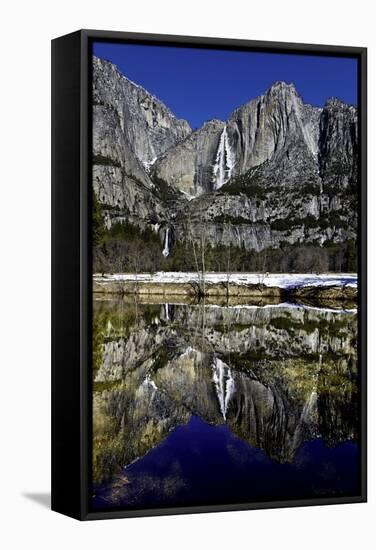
<point>97,222</point>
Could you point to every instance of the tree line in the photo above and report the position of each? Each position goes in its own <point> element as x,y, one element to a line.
<point>127,248</point>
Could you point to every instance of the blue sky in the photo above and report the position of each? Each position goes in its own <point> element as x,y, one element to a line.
<point>199,84</point>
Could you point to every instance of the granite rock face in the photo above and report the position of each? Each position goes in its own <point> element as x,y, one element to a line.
<point>149,127</point>
<point>131,128</point>
<point>277,171</point>
<point>261,130</point>
<point>338,145</point>
<point>268,126</point>
<point>189,167</point>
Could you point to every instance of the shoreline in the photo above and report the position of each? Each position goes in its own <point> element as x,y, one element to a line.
<point>316,294</point>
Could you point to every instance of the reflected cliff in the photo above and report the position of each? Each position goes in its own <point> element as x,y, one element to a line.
<point>267,380</point>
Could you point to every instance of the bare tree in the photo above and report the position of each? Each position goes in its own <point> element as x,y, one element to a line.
<point>199,247</point>
<point>128,260</point>
<point>263,274</point>
<point>203,245</point>
<point>119,265</point>
<point>228,260</point>
<point>133,261</point>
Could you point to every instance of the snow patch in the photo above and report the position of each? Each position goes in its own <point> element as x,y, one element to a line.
<point>188,195</point>
<point>281,280</point>
<point>187,352</point>
<point>149,163</point>
<point>148,381</point>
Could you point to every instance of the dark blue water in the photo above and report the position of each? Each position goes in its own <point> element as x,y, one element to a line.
<point>199,464</point>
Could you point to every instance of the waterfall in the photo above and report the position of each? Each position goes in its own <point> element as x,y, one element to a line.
<point>224,161</point>
<point>148,381</point>
<point>224,384</point>
<point>167,312</point>
<point>149,163</point>
<point>166,249</point>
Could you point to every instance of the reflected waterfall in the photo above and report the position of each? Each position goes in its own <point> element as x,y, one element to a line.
<point>224,384</point>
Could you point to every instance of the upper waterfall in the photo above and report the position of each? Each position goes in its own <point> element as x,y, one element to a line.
<point>224,162</point>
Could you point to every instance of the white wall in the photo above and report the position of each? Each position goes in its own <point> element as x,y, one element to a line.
<point>27,27</point>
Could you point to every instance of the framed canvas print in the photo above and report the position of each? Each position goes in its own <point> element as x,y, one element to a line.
<point>209,274</point>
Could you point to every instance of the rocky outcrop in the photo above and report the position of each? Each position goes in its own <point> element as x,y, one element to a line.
<point>338,144</point>
<point>326,294</point>
<point>189,167</point>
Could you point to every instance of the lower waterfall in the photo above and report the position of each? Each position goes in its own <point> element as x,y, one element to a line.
<point>166,249</point>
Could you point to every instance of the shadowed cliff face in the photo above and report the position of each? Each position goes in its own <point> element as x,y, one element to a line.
<point>275,376</point>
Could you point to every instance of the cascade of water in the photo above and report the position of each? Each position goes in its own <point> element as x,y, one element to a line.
<point>224,162</point>
<point>167,312</point>
<point>224,384</point>
<point>166,249</point>
<point>148,381</point>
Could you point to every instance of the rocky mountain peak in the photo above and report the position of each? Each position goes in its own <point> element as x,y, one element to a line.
<point>283,171</point>
<point>213,122</point>
<point>281,87</point>
<point>336,103</point>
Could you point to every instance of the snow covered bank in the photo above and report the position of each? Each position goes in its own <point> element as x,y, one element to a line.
<point>280,280</point>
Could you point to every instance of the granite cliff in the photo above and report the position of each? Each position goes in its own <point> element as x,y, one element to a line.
<point>277,173</point>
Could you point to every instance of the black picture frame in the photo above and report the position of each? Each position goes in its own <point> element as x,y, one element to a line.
<point>71,265</point>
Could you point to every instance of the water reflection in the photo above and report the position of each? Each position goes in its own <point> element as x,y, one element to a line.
<point>185,393</point>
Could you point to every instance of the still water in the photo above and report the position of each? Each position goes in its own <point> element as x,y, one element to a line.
<point>213,404</point>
